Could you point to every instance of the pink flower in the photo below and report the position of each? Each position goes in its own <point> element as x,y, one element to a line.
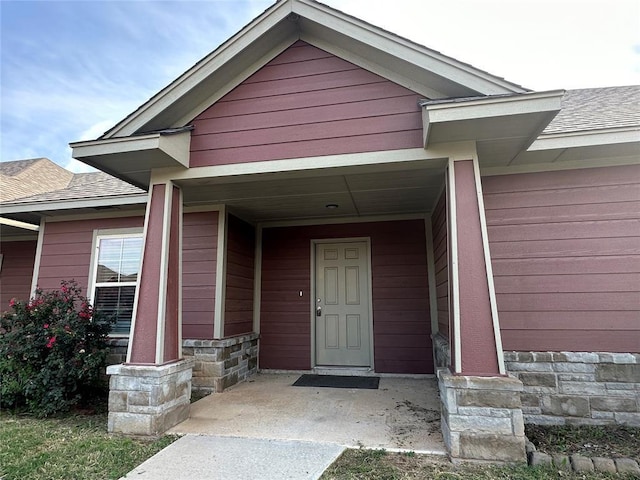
<point>46,325</point>
<point>52,340</point>
<point>12,302</point>
<point>64,289</point>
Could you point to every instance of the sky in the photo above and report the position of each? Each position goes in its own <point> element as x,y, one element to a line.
<point>70,70</point>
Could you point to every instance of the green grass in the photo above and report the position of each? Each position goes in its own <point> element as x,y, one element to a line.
<point>379,465</point>
<point>75,447</point>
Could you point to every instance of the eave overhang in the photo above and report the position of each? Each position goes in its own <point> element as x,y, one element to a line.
<point>418,68</point>
<point>501,126</point>
<point>132,158</point>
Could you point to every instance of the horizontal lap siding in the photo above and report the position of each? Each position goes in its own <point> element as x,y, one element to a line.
<point>17,271</point>
<point>199,255</point>
<point>565,250</point>
<point>441,259</point>
<point>239,277</point>
<point>66,249</point>
<point>401,325</point>
<point>66,255</point>
<point>305,103</point>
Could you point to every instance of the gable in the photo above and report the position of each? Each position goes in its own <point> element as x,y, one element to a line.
<point>306,102</point>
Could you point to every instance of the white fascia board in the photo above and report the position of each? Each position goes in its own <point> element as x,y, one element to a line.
<point>431,60</point>
<point>609,136</point>
<point>17,224</point>
<point>291,165</point>
<point>72,204</point>
<point>201,70</point>
<point>174,145</point>
<point>495,106</point>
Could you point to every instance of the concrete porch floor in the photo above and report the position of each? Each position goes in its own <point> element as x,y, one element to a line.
<point>404,413</point>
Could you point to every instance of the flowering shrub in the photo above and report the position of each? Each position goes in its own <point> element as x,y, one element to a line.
<point>53,352</point>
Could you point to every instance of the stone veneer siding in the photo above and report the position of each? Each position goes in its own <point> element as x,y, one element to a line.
<point>482,417</point>
<point>218,363</point>
<point>222,363</point>
<point>578,388</point>
<point>148,400</point>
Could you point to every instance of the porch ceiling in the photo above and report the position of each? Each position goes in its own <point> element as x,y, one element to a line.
<point>305,195</point>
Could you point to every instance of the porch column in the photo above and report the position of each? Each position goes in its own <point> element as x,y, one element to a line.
<point>481,407</point>
<point>151,392</point>
<point>476,345</point>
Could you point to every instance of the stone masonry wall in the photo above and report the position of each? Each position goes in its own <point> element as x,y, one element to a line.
<point>148,400</point>
<point>481,417</point>
<point>219,364</point>
<point>578,388</point>
<point>222,363</point>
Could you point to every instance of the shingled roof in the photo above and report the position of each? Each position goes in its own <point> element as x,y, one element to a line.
<point>41,180</point>
<point>597,109</point>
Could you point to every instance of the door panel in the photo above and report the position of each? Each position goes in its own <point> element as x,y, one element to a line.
<point>342,325</point>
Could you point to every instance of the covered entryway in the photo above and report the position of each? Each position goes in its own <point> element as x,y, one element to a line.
<point>404,413</point>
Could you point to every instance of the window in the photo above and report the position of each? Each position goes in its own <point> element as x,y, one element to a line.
<point>116,267</point>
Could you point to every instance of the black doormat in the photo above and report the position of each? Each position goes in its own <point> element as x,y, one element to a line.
<point>337,381</point>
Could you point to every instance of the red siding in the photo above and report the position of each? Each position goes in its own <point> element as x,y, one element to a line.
<point>238,317</point>
<point>199,255</point>
<point>441,259</point>
<point>565,249</point>
<point>401,325</point>
<point>304,103</point>
<point>66,254</point>
<point>66,249</point>
<point>17,271</point>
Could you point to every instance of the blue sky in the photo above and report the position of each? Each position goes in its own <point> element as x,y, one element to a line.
<point>71,69</point>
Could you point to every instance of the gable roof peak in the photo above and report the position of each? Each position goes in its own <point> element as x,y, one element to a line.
<point>402,61</point>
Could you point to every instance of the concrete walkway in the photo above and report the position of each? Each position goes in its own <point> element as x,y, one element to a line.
<point>227,458</point>
<point>265,428</point>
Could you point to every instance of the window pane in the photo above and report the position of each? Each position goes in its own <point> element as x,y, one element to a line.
<point>130,264</point>
<point>119,259</point>
<point>117,303</point>
<point>109,260</point>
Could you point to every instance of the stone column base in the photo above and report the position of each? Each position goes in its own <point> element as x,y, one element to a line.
<point>482,417</point>
<point>148,400</point>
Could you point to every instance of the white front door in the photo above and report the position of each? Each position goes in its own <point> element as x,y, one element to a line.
<point>342,326</point>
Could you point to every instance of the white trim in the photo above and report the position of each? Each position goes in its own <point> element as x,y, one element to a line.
<point>257,279</point>
<point>302,164</point>
<point>341,220</point>
<point>36,263</point>
<point>489,269</point>
<point>77,203</point>
<point>136,298</point>
<point>203,208</point>
<point>431,273</point>
<point>180,235</point>
<point>164,270</point>
<point>552,167</point>
<point>312,295</point>
<point>17,224</point>
<point>221,270</point>
<point>589,138</point>
<point>93,216</point>
<point>98,235</point>
<point>454,284</point>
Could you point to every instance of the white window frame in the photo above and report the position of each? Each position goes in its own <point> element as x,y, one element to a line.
<point>99,235</point>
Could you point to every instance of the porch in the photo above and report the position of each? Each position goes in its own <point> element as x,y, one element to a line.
<point>403,413</point>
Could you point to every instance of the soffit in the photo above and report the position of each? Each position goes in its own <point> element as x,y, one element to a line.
<point>411,188</point>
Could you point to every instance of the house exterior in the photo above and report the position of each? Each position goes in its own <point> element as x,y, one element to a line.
<point>320,194</point>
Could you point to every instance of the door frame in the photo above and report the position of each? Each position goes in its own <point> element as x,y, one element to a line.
<point>312,299</point>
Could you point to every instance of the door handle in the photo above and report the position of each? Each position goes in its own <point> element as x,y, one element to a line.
<point>318,311</point>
